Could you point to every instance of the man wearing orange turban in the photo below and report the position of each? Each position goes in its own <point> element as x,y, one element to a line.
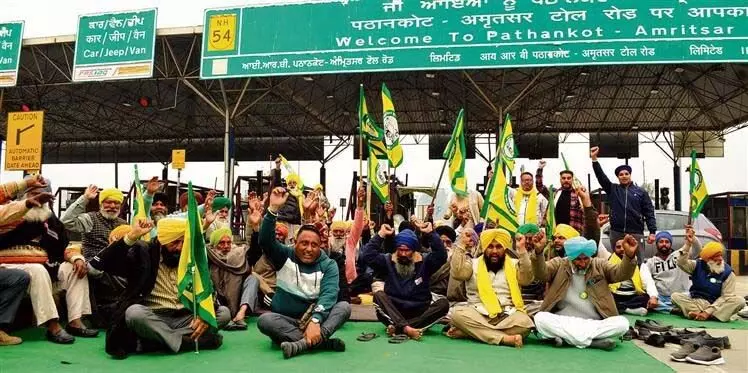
<point>712,294</point>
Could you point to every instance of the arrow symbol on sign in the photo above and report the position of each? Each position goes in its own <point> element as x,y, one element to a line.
<point>20,131</point>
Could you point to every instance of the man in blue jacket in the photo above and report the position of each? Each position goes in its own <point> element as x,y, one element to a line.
<point>405,305</point>
<point>630,205</point>
<point>305,308</point>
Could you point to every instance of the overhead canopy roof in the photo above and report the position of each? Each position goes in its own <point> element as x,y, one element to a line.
<point>105,120</point>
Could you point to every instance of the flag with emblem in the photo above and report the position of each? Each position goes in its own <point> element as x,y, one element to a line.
<point>369,130</point>
<point>697,188</point>
<point>194,286</point>
<point>377,177</point>
<point>550,213</point>
<point>138,213</point>
<point>391,129</point>
<point>497,208</point>
<point>454,153</point>
<point>507,150</point>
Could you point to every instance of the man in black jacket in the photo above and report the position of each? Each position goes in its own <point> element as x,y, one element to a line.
<point>150,309</point>
<point>630,205</point>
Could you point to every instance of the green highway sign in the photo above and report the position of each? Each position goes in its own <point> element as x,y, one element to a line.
<point>11,35</point>
<point>385,35</point>
<point>115,46</point>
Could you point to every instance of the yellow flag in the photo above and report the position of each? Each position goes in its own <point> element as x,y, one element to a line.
<point>139,213</point>
<point>507,150</point>
<point>498,208</point>
<point>377,178</point>
<point>391,129</point>
<point>699,194</point>
<point>455,155</point>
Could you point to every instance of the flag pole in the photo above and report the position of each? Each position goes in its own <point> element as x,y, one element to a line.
<point>441,175</point>
<point>194,304</point>
<point>360,158</point>
<point>690,188</point>
<point>368,187</point>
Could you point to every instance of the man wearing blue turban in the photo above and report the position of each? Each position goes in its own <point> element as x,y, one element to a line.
<point>405,306</point>
<point>579,308</point>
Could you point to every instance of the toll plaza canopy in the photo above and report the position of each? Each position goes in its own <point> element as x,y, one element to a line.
<point>287,77</point>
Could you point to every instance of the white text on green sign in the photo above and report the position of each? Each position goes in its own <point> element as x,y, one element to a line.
<point>11,35</point>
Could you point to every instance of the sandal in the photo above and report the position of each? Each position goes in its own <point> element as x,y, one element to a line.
<point>366,337</point>
<point>398,338</point>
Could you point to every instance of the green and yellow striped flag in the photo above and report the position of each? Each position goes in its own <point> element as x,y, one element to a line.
<point>506,144</point>
<point>498,208</point>
<point>139,212</point>
<point>455,154</point>
<point>369,130</point>
<point>194,286</point>
<point>550,214</point>
<point>697,188</point>
<point>377,178</point>
<point>391,129</point>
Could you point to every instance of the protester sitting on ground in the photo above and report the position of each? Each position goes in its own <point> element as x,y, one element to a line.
<point>305,309</point>
<point>712,294</point>
<point>663,269</point>
<point>529,204</point>
<point>637,295</point>
<point>293,211</point>
<point>495,313</point>
<point>439,281</point>
<point>263,268</point>
<point>156,203</point>
<point>405,305</point>
<point>229,270</point>
<point>630,205</point>
<point>313,202</point>
<point>465,210</point>
<point>13,285</point>
<point>534,292</point>
<point>183,201</point>
<point>153,311</point>
<point>344,294</point>
<point>221,206</point>
<point>345,238</point>
<point>578,308</point>
<point>442,284</point>
<point>563,232</point>
<point>568,207</point>
<point>11,212</point>
<point>37,240</point>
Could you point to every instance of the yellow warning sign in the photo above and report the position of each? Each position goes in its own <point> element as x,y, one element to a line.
<point>222,33</point>
<point>177,159</point>
<point>23,150</point>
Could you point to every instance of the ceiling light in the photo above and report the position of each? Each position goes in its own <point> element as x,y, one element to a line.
<point>548,126</point>
<point>635,127</point>
<point>346,113</point>
<point>430,75</point>
<point>127,104</point>
<point>443,124</point>
<point>679,70</point>
<point>654,91</point>
<point>558,112</point>
<point>308,78</point>
<point>584,73</point>
<point>570,95</point>
<point>435,94</point>
<point>330,97</point>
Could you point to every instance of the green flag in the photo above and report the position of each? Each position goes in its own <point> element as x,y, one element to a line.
<point>377,178</point>
<point>368,129</point>
<point>391,129</point>
<point>194,285</point>
<point>498,208</point>
<point>507,150</point>
<point>697,188</point>
<point>550,214</point>
<point>455,154</point>
<point>139,210</point>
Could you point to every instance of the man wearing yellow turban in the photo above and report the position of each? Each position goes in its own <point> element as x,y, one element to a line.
<point>495,313</point>
<point>152,307</point>
<point>712,294</point>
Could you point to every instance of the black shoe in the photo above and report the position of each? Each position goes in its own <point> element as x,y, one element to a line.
<point>630,334</point>
<point>656,340</point>
<point>672,337</point>
<point>603,344</point>
<point>62,337</point>
<point>707,340</point>
<point>82,332</point>
<point>291,349</point>
<point>643,334</point>
<point>652,325</point>
<point>207,341</point>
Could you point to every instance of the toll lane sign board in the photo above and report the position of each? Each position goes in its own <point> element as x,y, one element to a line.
<point>11,35</point>
<point>346,36</point>
<point>23,148</point>
<point>115,46</point>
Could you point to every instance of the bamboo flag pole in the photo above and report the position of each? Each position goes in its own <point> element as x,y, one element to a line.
<point>368,189</point>
<point>441,175</point>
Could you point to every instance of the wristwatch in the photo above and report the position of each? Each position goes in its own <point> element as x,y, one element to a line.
<point>315,320</point>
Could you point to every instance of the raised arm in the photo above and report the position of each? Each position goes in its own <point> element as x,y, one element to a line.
<point>591,224</point>
<point>370,254</point>
<point>438,255</point>
<point>684,263</point>
<point>75,217</point>
<point>460,264</point>
<point>274,250</point>
<point>623,271</point>
<point>542,189</point>
<point>602,179</point>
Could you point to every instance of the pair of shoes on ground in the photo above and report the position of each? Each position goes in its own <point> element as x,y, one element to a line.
<point>67,335</point>
<point>236,325</point>
<point>698,354</point>
<point>291,349</point>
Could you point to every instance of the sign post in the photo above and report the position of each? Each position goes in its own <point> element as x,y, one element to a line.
<point>11,35</point>
<point>112,46</point>
<point>396,35</point>
<point>177,162</point>
<point>23,150</point>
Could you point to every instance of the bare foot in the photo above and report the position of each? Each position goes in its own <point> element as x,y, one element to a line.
<point>513,340</point>
<point>390,330</point>
<point>692,315</point>
<point>455,333</point>
<point>413,333</point>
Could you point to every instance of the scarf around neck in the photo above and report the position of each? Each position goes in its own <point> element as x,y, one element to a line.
<point>487,294</point>
<point>531,211</point>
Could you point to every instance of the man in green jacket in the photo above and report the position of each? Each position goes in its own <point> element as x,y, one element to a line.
<point>305,311</point>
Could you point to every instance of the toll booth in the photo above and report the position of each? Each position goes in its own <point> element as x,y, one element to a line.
<point>729,212</point>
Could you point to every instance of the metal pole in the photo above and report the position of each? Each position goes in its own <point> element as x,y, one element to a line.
<point>676,185</point>
<point>441,174</point>
<point>657,194</point>
<point>226,160</point>
<point>179,175</point>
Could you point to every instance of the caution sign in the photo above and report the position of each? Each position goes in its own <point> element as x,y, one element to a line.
<point>23,151</point>
<point>177,158</point>
<point>222,33</point>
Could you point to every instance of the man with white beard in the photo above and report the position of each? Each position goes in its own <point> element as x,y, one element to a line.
<point>221,206</point>
<point>38,238</point>
<point>344,238</point>
<point>94,226</point>
<point>712,294</point>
